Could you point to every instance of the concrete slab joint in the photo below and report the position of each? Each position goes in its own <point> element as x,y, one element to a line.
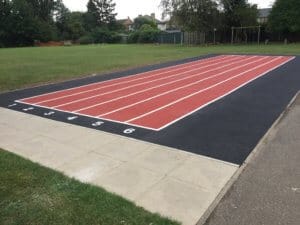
<point>184,184</point>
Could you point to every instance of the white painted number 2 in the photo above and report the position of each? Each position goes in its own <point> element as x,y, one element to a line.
<point>129,131</point>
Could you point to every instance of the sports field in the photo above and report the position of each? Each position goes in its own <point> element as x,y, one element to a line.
<point>23,67</point>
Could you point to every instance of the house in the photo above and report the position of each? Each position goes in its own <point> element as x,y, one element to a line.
<point>161,25</point>
<point>127,23</point>
<point>263,15</point>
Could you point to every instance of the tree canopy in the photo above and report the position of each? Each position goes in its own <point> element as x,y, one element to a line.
<point>24,21</point>
<point>100,13</point>
<point>285,16</point>
<point>202,15</point>
<point>239,13</point>
<point>141,20</point>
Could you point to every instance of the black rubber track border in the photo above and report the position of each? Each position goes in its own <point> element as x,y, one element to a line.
<point>227,130</point>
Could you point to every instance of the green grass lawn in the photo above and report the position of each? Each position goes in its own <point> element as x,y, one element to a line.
<point>24,67</point>
<point>34,195</point>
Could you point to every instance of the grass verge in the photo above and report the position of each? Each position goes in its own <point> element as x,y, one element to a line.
<point>31,194</point>
<point>24,67</point>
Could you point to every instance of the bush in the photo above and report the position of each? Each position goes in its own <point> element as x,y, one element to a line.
<point>133,37</point>
<point>146,34</point>
<point>101,35</point>
<point>85,40</point>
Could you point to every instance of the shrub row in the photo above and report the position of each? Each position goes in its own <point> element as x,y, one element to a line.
<point>146,34</point>
<point>100,36</point>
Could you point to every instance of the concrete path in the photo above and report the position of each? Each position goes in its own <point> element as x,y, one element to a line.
<point>168,181</point>
<point>268,190</point>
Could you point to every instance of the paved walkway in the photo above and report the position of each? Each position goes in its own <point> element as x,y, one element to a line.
<point>171,182</point>
<point>268,190</point>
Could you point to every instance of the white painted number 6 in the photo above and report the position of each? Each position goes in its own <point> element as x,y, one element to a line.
<point>129,131</point>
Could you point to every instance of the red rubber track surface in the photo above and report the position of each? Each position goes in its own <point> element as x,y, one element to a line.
<point>159,98</point>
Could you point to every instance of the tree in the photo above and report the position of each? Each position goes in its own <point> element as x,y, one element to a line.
<point>285,16</point>
<point>61,15</point>
<point>5,11</point>
<point>192,15</point>
<point>100,13</point>
<point>141,20</point>
<point>44,9</point>
<point>23,21</point>
<point>239,13</point>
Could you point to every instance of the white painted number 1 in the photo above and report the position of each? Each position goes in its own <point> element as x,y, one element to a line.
<point>129,131</point>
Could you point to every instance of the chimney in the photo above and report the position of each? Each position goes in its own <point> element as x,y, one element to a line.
<point>153,15</point>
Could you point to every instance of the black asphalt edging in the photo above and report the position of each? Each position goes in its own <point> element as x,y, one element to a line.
<point>227,130</point>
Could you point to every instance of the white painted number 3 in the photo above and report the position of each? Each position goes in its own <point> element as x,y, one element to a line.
<point>129,131</point>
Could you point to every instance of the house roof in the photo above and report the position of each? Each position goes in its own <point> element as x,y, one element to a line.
<point>264,12</point>
<point>151,18</point>
<point>127,21</point>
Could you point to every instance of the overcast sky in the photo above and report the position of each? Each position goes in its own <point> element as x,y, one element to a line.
<point>133,8</point>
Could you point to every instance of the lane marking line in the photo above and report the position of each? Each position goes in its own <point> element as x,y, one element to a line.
<point>182,66</point>
<point>182,87</point>
<point>181,99</point>
<point>127,87</point>
<point>169,124</point>
<point>217,99</point>
<point>202,90</point>
<point>138,92</point>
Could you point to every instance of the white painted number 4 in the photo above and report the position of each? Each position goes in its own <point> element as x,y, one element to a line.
<point>129,131</point>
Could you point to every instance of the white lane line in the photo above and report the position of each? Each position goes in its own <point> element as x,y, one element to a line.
<point>200,91</point>
<point>135,75</point>
<point>123,82</point>
<point>135,85</point>
<point>182,87</point>
<point>86,115</point>
<point>228,93</point>
<point>165,126</point>
<point>134,93</point>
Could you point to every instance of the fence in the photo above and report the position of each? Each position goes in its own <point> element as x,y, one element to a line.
<point>245,36</point>
<point>187,38</point>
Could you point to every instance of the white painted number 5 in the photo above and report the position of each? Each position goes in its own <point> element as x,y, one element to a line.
<point>129,131</point>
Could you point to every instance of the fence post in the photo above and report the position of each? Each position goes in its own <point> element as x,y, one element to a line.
<point>181,38</point>
<point>258,40</point>
<point>232,30</point>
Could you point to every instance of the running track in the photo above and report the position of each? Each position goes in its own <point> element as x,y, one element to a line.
<point>159,98</point>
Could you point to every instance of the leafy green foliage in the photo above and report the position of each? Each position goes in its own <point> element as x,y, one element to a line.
<point>205,15</point>
<point>86,40</point>
<point>285,16</point>
<point>71,26</point>
<point>239,13</point>
<point>142,20</point>
<point>103,35</point>
<point>22,22</point>
<point>193,15</point>
<point>146,34</point>
<point>100,13</point>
